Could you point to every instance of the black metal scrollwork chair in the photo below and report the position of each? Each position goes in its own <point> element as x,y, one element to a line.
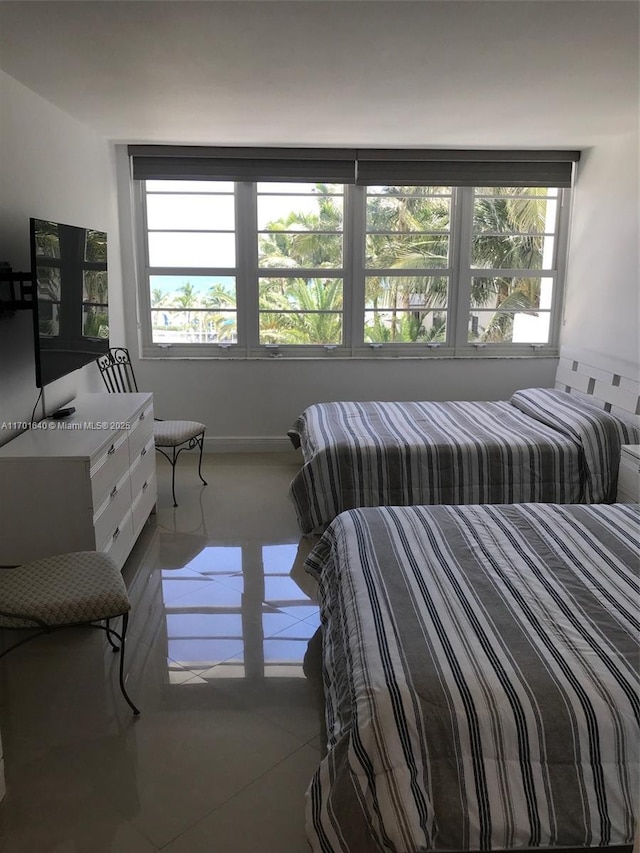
<point>174,436</point>
<point>81,588</point>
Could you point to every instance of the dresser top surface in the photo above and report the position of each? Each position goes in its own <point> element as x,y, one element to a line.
<point>81,435</point>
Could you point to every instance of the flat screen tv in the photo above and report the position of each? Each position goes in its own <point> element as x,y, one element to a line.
<point>71,309</point>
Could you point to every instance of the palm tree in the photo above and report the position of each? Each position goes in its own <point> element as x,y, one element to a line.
<point>223,324</point>
<point>301,311</point>
<point>405,211</point>
<point>187,300</point>
<point>158,297</point>
<point>305,247</point>
<point>509,235</point>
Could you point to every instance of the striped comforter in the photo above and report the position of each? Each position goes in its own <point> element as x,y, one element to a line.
<point>480,668</point>
<point>543,445</point>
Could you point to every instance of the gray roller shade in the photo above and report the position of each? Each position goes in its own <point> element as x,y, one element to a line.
<point>462,168</point>
<point>364,166</point>
<point>159,162</point>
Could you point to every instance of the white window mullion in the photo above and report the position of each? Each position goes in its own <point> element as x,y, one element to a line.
<point>354,266</point>
<point>562,249</point>
<point>461,274</point>
<point>145,333</point>
<point>247,284</point>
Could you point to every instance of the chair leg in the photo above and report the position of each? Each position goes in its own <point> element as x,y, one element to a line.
<point>109,631</point>
<point>24,640</point>
<point>201,443</point>
<point>173,477</point>
<point>174,458</point>
<point>125,622</point>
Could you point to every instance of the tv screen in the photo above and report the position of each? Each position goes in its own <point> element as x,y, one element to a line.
<point>71,310</point>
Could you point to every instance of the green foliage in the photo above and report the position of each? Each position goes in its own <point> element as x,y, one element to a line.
<point>305,248</point>
<point>96,246</point>
<point>47,240</point>
<point>95,286</point>
<point>403,304</point>
<point>94,324</point>
<point>405,327</point>
<point>303,311</point>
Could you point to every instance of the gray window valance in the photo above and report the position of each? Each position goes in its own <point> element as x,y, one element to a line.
<point>362,166</point>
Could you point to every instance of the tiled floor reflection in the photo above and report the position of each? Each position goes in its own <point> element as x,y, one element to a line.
<point>228,738</point>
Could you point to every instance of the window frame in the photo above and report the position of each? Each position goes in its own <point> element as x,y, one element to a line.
<point>354,271</point>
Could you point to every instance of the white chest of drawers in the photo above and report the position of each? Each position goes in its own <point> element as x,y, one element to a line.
<point>85,483</point>
<point>629,474</point>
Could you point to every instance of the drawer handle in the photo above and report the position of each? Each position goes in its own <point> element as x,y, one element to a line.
<point>114,492</point>
<point>111,450</point>
<point>116,533</point>
<point>144,451</point>
<point>142,416</point>
<point>144,488</point>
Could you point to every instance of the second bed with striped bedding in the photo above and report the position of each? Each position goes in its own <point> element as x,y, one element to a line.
<point>542,445</point>
<point>480,668</point>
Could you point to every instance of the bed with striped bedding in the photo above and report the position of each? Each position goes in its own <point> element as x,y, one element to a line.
<point>481,679</point>
<point>542,445</point>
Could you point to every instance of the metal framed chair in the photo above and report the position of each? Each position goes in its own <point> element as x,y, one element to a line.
<point>68,590</point>
<point>171,437</point>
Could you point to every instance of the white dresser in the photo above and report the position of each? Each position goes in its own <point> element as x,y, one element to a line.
<point>629,474</point>
<point>84,483</point>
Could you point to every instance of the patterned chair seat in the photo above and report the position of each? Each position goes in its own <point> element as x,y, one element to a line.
<point>81,588</point>
<point>69,589</point>
<point>174,433</point>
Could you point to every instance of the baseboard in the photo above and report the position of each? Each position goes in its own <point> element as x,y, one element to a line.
<point>246,444</point>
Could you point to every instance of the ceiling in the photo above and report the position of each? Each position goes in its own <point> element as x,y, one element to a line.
<point>502,73</point>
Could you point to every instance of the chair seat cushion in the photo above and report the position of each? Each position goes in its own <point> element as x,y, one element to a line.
<point>173,433</point>
<point>69,589</point>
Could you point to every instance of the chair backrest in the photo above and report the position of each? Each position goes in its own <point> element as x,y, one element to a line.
<point>117,372</point>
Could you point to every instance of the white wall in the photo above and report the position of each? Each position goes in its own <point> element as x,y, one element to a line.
<point>51,167</point>
<point>251,404</point>
<point>602,310</point>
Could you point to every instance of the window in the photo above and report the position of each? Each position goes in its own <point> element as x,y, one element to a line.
<point>191,251</point>
<point>300,264</point>
<point>407,264</point>
<point>324,268</point>
<point>513,275</point>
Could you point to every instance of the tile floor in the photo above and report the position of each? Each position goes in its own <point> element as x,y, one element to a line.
<point>228,738</point>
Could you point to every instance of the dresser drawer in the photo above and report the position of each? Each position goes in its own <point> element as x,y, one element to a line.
<point>119,543</point>
<point>113,509</point>
<point>140,432</point>
<point>143,467</point>
<point>108,467</point>
<point>143,503</point>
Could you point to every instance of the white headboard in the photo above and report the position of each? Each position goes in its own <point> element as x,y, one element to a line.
<point>609,383</point>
